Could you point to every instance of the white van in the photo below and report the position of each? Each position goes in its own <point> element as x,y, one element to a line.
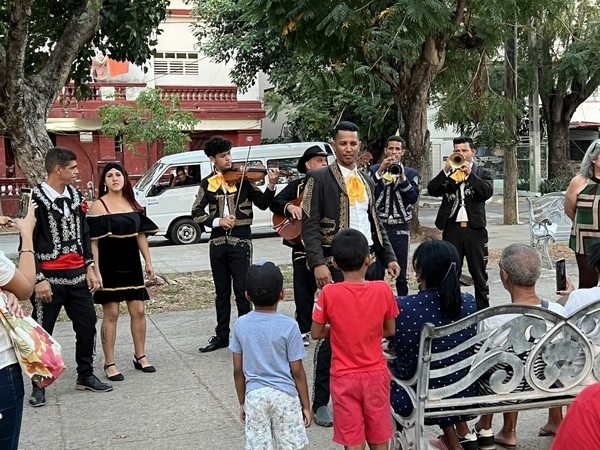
<point>170,207</point>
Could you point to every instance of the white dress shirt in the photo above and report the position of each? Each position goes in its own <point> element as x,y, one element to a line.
<point>359,213</point>
<point>53,195</point>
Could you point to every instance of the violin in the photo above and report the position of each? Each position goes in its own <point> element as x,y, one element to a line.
<point>254,173</point>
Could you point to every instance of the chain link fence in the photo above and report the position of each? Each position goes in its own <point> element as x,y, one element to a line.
<point>495,164</point>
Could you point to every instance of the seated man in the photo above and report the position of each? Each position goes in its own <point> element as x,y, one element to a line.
<point>574,299</point>
<point>520,268</point>
<point>182,178</point>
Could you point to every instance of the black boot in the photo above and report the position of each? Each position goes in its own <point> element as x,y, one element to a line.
<point>38,396</point>
<point>91,383</point>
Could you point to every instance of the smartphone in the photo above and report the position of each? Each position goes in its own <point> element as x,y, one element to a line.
<point>24,202</point>
<point>561,275</point>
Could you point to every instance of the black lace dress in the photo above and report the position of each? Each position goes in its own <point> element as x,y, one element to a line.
<point>119,255</point>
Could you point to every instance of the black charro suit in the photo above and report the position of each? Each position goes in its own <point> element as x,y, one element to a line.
<point>230,251</point>
<point>305,285</point>
<point>326,210</point>
<point>471,240</point>
<point>393,202</point>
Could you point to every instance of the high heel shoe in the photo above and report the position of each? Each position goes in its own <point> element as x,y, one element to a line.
<point>138,366</point>
<point>116,377</point>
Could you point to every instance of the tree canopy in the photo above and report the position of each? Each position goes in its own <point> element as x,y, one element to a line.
<point>401,45</point>
<point>45,43</point>
<point>149,120</point>
<point>567,59</point>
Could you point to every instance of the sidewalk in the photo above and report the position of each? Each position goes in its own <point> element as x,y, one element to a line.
<point>190,403</point>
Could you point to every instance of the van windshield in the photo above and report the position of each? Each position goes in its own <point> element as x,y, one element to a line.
<point>147,178</point>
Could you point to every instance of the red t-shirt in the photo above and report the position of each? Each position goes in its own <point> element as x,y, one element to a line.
<point>356,312</point>
<point>581,427</point>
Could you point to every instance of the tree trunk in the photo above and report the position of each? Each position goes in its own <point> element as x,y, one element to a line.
<point>29,138</point>
<point>417,140</point>
<point>411,97</point>
<point>558,149</point>
<point>25,101</point>
<point>510,152</point>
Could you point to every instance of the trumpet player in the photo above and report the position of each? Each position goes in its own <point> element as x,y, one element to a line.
<point>396,190</point>
<point>464,188</point>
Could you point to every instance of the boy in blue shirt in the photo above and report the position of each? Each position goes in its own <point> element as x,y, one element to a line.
<point>267,367</point>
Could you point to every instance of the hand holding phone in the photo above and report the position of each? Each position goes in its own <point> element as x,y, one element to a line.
<point>24,202</point>
<point>561,275</point>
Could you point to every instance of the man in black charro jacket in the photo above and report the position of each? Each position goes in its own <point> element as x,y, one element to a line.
<point>65,275</point>
<point>304,281</point>
<point>395,196</point>
<point>230,244</point>
<point>461,216</point>
<point>337,197</point>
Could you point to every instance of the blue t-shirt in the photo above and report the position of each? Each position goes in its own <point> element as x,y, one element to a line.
<point>268,343</point>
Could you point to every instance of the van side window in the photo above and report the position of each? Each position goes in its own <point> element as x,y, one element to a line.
<point>288,164</point>
<point>253,162</point>
<point>184,176</point>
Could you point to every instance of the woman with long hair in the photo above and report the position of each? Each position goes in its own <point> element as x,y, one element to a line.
<point>439,302</point>
<point>118,231</point>
<point>582,206</point>
<point>17,283</point>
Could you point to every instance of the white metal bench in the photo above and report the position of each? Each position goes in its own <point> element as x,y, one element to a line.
<point>546,215</point>
<point>567,340</point>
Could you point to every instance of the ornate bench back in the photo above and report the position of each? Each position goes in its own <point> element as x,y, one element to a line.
<point>546,213</point>
<point>535,345</point>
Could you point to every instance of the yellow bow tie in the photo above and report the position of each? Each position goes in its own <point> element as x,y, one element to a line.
<point>217,181</point>
<point>389,179</point>
<point>356,189</point>
<point>458,176</point>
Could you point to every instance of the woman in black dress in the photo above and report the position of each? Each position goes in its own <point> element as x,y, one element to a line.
<point>118,231</point>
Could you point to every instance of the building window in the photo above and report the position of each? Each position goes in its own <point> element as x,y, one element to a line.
<point>175,63</point>
<point>119,143</point>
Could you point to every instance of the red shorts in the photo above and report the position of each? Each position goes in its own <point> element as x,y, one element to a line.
<point>361,408</point>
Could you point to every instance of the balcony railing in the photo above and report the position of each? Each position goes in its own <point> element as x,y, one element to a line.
<point>200,93</point>
<point>105,92</point>
<point>129,92</point>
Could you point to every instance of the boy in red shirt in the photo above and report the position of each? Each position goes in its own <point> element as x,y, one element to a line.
<point>356,314</point>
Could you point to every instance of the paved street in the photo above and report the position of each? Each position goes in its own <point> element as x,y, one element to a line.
<point>170,258</point>
<point>190,402</point>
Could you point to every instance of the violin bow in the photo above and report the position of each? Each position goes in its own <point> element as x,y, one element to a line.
<point>237,198</point>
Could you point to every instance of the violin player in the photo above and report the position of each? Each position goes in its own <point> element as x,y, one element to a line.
<point>230,246</point>
<point>337,197</point>
<point>287,204</point>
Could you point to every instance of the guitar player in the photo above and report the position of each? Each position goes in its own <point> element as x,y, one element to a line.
<point>287,204</point>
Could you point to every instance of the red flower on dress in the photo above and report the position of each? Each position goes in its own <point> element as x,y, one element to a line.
<point>85,206</point>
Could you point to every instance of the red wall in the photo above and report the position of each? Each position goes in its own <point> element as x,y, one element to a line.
<point>93,156</point>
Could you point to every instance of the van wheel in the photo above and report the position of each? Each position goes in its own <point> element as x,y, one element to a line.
<point>185,231</point>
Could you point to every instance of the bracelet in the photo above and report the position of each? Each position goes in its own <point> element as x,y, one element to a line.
<point>26,251</point>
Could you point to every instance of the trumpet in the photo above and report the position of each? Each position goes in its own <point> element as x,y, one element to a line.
<point>395,169</point>
<point>456,160</point>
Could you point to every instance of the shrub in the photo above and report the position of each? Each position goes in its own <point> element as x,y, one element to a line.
<point>555,185</point>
